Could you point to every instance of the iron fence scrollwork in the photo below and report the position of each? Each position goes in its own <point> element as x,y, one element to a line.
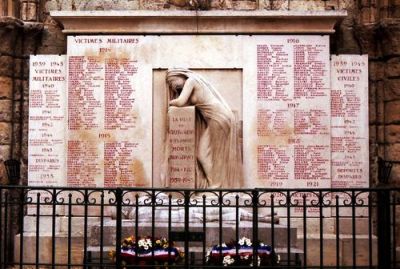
<point>43,227</point>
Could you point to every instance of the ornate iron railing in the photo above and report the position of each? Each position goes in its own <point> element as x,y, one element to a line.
<point>42,227</point>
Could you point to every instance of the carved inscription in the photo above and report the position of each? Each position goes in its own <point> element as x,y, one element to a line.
<point>119,94</point>
<point>182,157</point>
<point>293,115</point>
<point>349,108</point>
<point>84,100</point>
<point>83,162</point>
<point>46,164</point>
<point>272,66</point>
<point>119,161</point>
<point>106,136</point>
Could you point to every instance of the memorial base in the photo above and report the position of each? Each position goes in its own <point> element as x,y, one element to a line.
<point>213,230</point>
<point>45,249</point>
<point>345,250</point>
<point>228,230</point>
<point>212,233</point>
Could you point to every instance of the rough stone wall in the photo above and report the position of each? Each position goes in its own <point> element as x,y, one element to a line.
<point>8,31</point>
<point>201,4</point>
<point>378,33</point>
<point>370,28</point>
<point>390,97</point>
<point>18,42</point>
<point>196,4</point>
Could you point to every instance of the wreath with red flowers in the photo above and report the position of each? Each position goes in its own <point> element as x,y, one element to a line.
<point>148,251</point>
<point>240,253</point>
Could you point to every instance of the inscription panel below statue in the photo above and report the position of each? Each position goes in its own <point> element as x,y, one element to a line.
<point>181,147</point>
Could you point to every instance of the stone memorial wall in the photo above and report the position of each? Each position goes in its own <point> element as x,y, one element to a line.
<point>283,98</point>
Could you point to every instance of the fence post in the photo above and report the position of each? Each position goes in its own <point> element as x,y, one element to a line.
<point>255,202</point>
<point>186,225</point>
<point>384,229</point>
<point>118,200</point>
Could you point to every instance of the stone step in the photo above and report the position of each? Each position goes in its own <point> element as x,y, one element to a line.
<point>345,226</point>
<point>329,225</point>
<point>345,249</point>
<point>45,248</point>
<point>212,232</point>
<point>61,224</point>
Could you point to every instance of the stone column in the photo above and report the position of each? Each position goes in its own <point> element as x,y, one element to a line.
<point>182,150</point>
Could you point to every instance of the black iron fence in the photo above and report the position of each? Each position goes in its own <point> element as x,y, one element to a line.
<point>183,228</point>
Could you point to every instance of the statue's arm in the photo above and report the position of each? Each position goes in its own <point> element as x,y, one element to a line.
<point>185,94</point>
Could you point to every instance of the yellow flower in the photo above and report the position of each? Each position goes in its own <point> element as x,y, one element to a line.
<point>111,254</point>
<point>158,242</point>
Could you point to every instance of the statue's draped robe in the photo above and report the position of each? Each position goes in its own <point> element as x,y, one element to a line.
<point>218,127</point>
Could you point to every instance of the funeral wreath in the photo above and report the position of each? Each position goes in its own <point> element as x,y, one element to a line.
<point>148,251</point>
<point>240,253</point>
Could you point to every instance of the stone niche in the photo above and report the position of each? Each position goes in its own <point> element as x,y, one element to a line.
<point>228,83</point>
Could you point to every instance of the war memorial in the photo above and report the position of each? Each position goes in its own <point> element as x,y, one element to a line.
<point>199,134</point>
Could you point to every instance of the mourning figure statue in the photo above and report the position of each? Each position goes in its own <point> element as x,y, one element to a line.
<point>217,148</point>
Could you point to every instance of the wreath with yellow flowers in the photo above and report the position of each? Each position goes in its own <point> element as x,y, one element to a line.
<point>148,251</point>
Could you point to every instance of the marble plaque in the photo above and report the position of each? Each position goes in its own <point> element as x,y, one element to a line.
<point>287,116</point>
<point>109,113</point>
<point>350,156</point>
<point>289,120</point>
<point>350,127</point>
<point>47,120</point>
<point>182,155</point>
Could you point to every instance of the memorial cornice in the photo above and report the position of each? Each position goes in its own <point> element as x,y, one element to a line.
<point>198,22</point>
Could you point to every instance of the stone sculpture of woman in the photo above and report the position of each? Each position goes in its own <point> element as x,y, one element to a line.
<point>217,147</point>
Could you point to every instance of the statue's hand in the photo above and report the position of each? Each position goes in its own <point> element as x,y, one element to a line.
<point>170,108</point>
<point>173,102</point>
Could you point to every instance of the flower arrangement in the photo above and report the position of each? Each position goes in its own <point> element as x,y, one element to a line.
<point>148,251</point>
<point>240,253</point>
